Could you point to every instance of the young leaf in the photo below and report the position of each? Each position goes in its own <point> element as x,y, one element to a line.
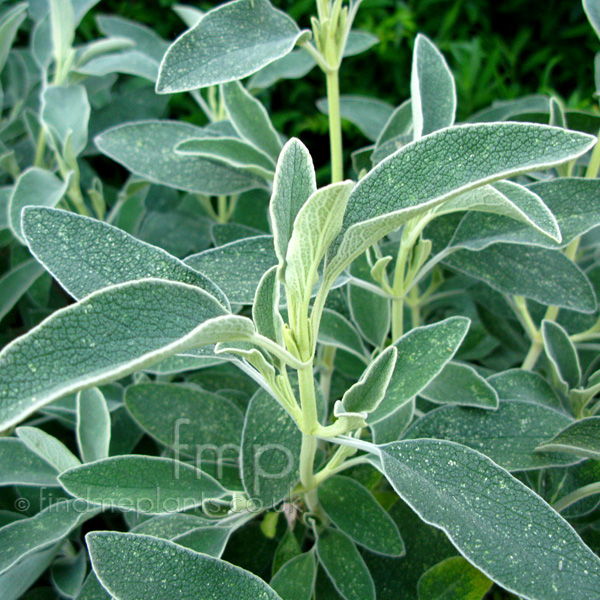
<point>453,579</point>
<point>430,171</point>
<point>581,438</point>
<point>498,534</point>
<point>354,510</point>
<point>26,537</point>
<point>562,353</point>
<point>338,332</point>
<point>461,384</point>
<point>270,448</point>
<point>46,446</point>
<point>147,148</point>
<point>518,429</point>
<point>294,183</point>
<point>237,267</point>
<point>21,466</point>
<point>432,87</point>
<point>250,119</point>
<point>183,418</point>
<point>296,578</point>
<point>517,384</point>
<point>369,114</point>
<point>265,310</point>
<point>592,11</point>
<point>62,18</point>
<point>366,394</point>
<point>146,484</point>
<point>105,337</point>
<point>316,226</point>
<point>546,276</point>
<point>93,425</point>
<point>230,42</point>
<point>34,186</point>
<point>85,255</point>
<point>182,573</point>
<point>422,354</point>
<point>345,566</point>
<point>15,282</point>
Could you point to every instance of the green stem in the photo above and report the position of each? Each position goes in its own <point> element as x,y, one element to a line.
<point>40,148</point>
<point>335,126</point>
<point>309,442</point>
<point>594,165</point>
<point>222,209</point>
<point>326,371</point>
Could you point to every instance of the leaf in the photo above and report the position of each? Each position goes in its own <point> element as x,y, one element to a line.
<point>296,578</point>
<point>338,332</point>
<point>250,118</point>
<point>422,354</point>
<point>9,25</point>
<point>146,484</point>
<point>105,337</point>
<point>432,87</point>
<point>184,417</point>
<point>92,589</point>
<point>233,151</point>
<point>366,394</point>
<point>20,466</point>
<point>86,255</point>
<point>271,444</point>
<point>64,124</point>
<point>147,148</point>
<point>369,114</point>
<point>15,282</point>
<point>237,267</point>
<point>26,537</point>
<point>128,62</point>
<point>592,11</point>
<point>453,579</point>
<point>561,353</point>
<point>182,573</point>
<point>497,533</point>
<point>62,18</point>
<point>93,425</point>
<point>353,509</point>
<point>509,109</point>
<point>294,65</point>
<point>546,276</point>
<point>461,384</point>
<point>230,42</point>
<point>581,438</point>
<point>294,183</point>
<point>518,429</point>
<point>265,309</point>
<point>440,166</point>
<point>345,566</point>
<point>34,186</point>
<point>394,425</point>
<point>46,446</point>
<point>208,540</point>
<point>516,384</point>
<point>316,226</point>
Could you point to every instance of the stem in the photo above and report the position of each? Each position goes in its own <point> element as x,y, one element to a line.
<point>326,371</point>
<point>335,126</point>
<point>40,148</point>
<point>532,356</point>
<point>222,209</point>
<point>580,494</point>
<point>309,442</point>
<point>594,164</point>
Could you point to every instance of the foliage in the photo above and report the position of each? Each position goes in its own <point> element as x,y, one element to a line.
<point>225,379</point>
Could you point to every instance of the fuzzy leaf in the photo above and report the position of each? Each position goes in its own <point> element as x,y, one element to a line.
<point>354,510</point>
<point>433,91</point>
<point>518,429</point>
<point>147,148</point>
<point>46,446</point>
<point>581,438</point>
<point>294,183</point>
<point>183,417</point>
<point>265,310</point>
<point>34,186</point>
<point>270,448</point>
<point>145,484</point>
<point>562,353</point>
<point>85,255</point>
<point>93,425</point>
<point>15,282</point>
<point>592,11</point>
<point>546,276</point>
<point>230,42</point>
<point>338,332</point>
<point>9,25</point>
<point>21,466</point>
<point>237,267</point>
<point>207,540</point>
<point>461,384</point>
<point>181,573</point>
<point>453,579</point>
<point>498,534</point>
<point>250,119</point>
<point>345,566</point>
<point>107,336</point>
<point>422,354</point>
<point>516,384</point>
<point>296,578</point>
<point>366,394</point>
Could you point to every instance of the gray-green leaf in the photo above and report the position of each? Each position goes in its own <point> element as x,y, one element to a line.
<point>93,425</point>
<point>562,353</point>
<point>46,446</point>
<point>581,438</point>
<point>453,579</point>
<point>296,578</point>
